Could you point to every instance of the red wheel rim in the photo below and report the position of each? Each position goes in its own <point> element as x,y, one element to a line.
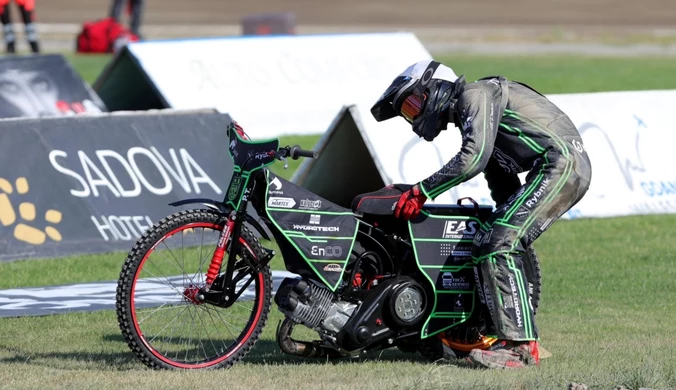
<point>243,337</point>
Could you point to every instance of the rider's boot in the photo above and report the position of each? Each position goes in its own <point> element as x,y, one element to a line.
<point>507,354</point>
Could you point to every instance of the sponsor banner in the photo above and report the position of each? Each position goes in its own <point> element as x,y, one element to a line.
<point>272,85</point>
<point>43,86</point>
<point>629,136</point>
<point>39,301</point>
<point>96,183</point>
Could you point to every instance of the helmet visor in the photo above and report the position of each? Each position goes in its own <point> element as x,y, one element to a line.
<point>383,109</point>
<point>411,107</point>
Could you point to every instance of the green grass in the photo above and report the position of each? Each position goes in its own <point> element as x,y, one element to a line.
<point>605,315</point>
<point>547,73</point>
<point>606,310</point>
<point>570,74</point>
<point>89,66</point>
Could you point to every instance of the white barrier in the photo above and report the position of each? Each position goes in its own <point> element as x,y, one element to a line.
<point>629,136</point>
<point>296,85</point>
<point>272,85</point>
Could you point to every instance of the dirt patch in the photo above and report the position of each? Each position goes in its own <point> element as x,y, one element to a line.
<point>384,12</point>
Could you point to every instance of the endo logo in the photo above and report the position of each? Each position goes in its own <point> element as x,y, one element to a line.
<point>23,231</point>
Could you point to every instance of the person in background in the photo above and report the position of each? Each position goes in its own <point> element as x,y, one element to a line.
<point>135,8</point>
<point>26,7</point>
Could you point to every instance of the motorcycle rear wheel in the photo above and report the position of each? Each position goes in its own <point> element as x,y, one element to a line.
<point>443,347</point>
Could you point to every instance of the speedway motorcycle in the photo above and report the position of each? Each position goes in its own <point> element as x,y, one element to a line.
<point>196,289</point>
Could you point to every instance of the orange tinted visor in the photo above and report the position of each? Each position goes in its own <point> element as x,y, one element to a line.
<point>411,107</point>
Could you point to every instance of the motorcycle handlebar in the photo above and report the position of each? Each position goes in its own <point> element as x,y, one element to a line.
<point>295,152</point>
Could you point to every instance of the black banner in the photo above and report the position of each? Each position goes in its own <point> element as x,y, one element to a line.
<point>44,86</point>
<point>95,183</point>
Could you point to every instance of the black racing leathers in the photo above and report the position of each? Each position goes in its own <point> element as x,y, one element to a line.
<point>501,137</point>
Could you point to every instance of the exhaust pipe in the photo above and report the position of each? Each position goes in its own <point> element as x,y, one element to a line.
<point>313,349</point>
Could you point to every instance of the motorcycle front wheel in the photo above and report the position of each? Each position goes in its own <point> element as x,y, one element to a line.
<point>160,318</point>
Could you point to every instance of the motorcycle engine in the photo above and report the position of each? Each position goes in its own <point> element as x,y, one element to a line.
<point>312,306</point>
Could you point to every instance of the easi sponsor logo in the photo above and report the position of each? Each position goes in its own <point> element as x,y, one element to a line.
<point>515,300</point>
<point>122,227</point>
<point>326,251</point>
<point>659,188</point>
<point>309,204</point>
<point>451,282</point>
<point>280,202</point>
<point>537,194</point>
<point>315,219</point>
<point>333,267</point>
<point>275,187</point>
<point>96,177</point>
<point>316,228</point>
<point>459,230</point>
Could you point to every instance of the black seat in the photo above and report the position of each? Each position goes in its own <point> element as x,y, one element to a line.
<point>379,202</point>
<point>454,209</point>
<point>383,201</point>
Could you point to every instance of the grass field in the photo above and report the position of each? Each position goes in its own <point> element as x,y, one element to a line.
<point>606,311</point>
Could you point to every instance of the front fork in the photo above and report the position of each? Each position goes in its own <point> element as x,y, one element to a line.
<point>231,233</point>
<point>231,228</point>
<point>204,294</point>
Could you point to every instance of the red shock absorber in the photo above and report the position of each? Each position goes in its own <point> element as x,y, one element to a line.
<point>219,253</point>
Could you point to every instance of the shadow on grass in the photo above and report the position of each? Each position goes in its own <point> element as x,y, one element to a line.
<point>265,352</point>
<point>268,352</point>
<point>114,360</point>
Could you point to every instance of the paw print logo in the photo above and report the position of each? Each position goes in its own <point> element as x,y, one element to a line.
<point>23,231</point>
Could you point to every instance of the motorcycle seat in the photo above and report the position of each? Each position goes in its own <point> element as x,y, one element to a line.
<point>383,201</point>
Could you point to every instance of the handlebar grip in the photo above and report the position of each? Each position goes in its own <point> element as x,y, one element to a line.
<point>296,152</point>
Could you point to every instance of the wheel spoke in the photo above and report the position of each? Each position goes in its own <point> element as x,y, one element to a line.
<point>177,331</point>
<point>225,346</point>
<point>170,322</point>
<point>176,264</point>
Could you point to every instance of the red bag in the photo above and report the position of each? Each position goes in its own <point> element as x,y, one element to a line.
<point>99,36</point>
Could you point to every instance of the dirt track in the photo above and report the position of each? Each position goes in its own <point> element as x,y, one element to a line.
<point>451,13</point>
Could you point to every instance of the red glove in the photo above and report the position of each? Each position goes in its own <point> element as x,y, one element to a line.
<point>410,203</point>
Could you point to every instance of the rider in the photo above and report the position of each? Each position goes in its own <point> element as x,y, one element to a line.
<point>507,128</point>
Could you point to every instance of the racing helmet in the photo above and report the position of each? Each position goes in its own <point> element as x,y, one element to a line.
<point>424,94</point>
